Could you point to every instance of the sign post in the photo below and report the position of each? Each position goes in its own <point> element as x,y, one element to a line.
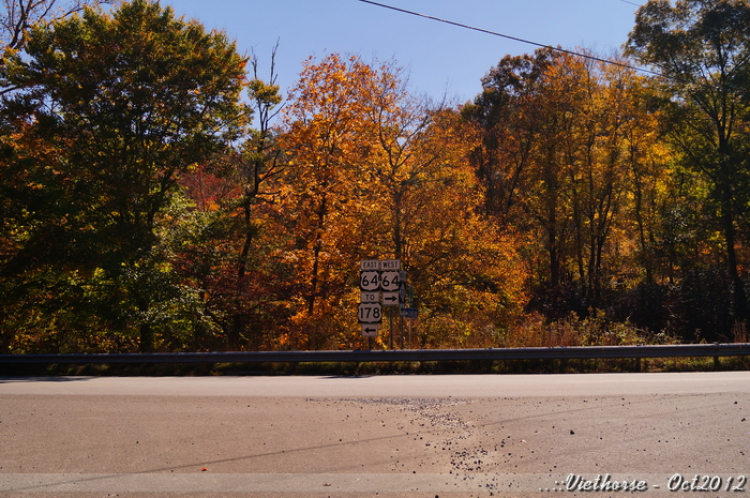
<point>382,283</point>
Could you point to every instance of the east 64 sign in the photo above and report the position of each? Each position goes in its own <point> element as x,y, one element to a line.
<point>369,280</point>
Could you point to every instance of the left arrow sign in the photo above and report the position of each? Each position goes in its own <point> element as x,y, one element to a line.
<point>370,330</point>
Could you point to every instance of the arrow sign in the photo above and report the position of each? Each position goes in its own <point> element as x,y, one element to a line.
<point>370,330</point>
<point>390,298</point>
<point>408,312</point>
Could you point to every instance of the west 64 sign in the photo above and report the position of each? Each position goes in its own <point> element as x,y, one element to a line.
<point>390,281</point>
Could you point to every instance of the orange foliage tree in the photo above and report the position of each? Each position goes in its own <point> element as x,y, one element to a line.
<point>375,173</point>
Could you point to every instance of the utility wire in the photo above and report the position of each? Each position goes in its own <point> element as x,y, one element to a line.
<point>494,33</point>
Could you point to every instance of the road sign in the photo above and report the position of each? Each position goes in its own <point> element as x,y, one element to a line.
<point>369,280</point>
<point>370,329</point>
<point>369,264</point>
<point>390,299</point>
<point>386,276</point>
<point>390,281</point>
<point>408,312</point>
<point>370,313</point>
<point>369,297</point>
<point>390,264</point>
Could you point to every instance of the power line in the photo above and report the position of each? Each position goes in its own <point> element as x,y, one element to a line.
<point>521,40</point>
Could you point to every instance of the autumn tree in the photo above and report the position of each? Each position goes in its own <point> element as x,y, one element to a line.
<point>324,184</point>
<point>556,159</point>
<point>19,16</point>
<point>377,173</point>
<point>520,148</point>
<point>521,160</point>
<point>230,253</point>
<point>701,50</point>
<point>466,272</point>
<point>508,118</point>
<point>124,103</point>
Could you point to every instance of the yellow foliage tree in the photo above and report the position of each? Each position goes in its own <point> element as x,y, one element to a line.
<point>375,173</point>
<point>568,153</point>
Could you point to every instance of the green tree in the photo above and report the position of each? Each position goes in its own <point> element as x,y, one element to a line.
<point>228,252</point>
<point>19,16</point>
<point>124,104</point>
<point>702,49</point>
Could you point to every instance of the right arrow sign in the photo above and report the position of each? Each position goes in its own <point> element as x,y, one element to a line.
<point>408,312</point>
<point>390,298</point>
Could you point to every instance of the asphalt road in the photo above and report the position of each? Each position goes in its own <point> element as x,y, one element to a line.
<point>407,436</point>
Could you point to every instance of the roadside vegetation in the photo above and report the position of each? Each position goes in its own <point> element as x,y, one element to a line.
<point>158,194</point>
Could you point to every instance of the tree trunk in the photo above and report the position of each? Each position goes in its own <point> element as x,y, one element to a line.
<point>739,295</point>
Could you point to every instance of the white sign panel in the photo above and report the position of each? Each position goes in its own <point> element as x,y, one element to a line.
<point>390,264</point>
<point>370,329</point>
<point>369,297</point>
<point>369,313</point>
<point>369,280</point>
<point>390,281</point>
<point>369,264</point>
<point>390,299</point>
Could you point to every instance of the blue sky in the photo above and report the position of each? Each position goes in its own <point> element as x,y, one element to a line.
<point>441,60</point>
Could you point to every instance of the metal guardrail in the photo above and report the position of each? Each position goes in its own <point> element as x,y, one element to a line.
<point>406,355</point>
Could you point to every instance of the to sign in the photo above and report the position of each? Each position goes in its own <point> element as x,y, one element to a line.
<point>369,297</point>
<point>369,313</point>
<point>369,280</point>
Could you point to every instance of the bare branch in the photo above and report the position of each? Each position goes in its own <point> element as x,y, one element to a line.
<point>18,16</point>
